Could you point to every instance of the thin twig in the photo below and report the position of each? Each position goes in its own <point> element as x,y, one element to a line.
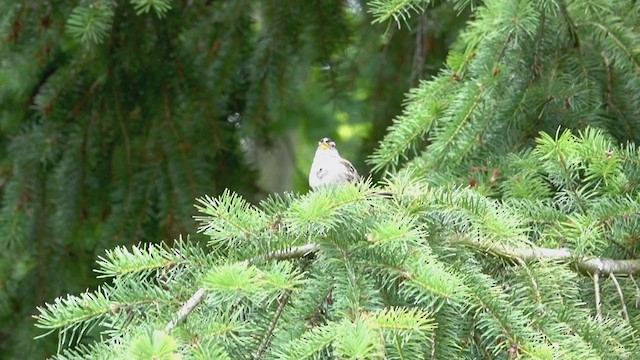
<point>534,283</point>
<point>596,286</point>
<point>267,337</point>
<point>198,296</point>
<point>433,347</point>
<point>417,68</point>
<point>571,26</point>
<point>284,298</point>
<point>624,306</point>
<point>503,49</point>
<point>537,68</point>
<point>186,309</point>
<point>610,105</point>
<point>607,94</point>
<point>637,291</point>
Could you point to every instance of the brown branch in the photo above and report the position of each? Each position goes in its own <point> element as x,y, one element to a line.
<point>571,26</point>
<point>198,296</point>
<point>584,264</point>
<point>186,309</point>
<point>287,254</point>
<point>624,306</point>
<point>596,288</point>
<point>283,300</point>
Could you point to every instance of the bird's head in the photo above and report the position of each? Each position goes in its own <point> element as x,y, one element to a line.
<point>326,144</point>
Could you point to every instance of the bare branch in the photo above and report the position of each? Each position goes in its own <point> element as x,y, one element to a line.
<point>596,287</point>
<point>286,254</point>
<point>267,337</point>
<point>584,264</point>
<point>624,306</point>
<point>186,309</point>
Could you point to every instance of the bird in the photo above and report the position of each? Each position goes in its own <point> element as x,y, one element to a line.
<point>329,168</point>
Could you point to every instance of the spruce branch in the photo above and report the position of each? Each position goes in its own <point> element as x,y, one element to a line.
<point>537,68</point>
<point>399,10</point>
<point>596,289</point>
<point>584,264</point>
<point>198,296</point>
<point>572,28</point>
<point>624,306</point>
<point>160,7</point>
<point>503,48</point>
<point>186,309</point>
<point>616,40</point>
<point>287,254</point>
<point>534,282</point>
<point>282,302</point>
<point>91,22</point>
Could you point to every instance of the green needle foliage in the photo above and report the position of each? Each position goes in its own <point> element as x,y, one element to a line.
<point>116,114</point>
<point>506,226</point>
<point>406,271</point>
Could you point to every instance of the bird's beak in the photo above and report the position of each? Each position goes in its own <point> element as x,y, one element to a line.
<point>324,146</point>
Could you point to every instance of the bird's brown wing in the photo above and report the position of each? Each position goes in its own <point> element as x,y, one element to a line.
<point>352,173</point>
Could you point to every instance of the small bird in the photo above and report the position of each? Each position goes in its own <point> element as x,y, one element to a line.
<point>329,168</point>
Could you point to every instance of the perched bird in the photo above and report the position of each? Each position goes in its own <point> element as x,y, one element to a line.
<point>329,168</point>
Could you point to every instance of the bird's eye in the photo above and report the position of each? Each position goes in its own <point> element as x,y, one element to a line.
<point>333,145</point>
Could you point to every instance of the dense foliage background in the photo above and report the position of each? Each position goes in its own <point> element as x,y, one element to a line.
<point>505,225</point>
<point>116,115</point>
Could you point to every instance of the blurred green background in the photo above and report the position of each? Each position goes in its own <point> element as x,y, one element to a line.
<point>116,115</point>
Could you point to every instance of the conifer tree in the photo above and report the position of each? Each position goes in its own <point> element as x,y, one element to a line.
<point>506,225</point>
<point>116,115</point>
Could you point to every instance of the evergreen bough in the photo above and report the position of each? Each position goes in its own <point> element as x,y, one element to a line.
<point>506,227</point>
<point>116,114</point>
